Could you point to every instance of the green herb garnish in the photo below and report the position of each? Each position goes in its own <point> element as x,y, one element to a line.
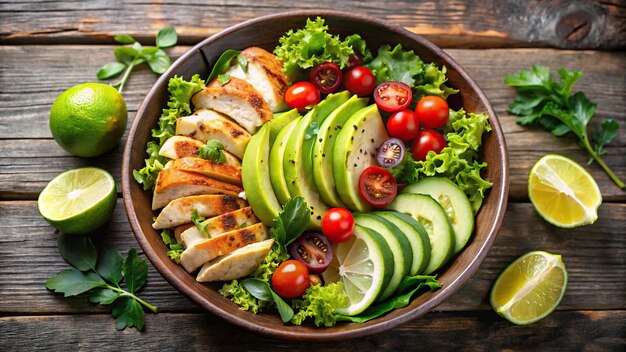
<point>213,150</point>
<point>291,221</point>
<point>261,290</point>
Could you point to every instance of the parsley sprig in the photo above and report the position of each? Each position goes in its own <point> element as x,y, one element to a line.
<point>541,99</point>
<point>100,275</point>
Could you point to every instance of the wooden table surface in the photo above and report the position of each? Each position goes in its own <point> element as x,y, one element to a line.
<point>48,46</point>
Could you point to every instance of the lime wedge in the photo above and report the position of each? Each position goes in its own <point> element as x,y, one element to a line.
<point>530,288</point>
<point>364,264</point>
<point>563,192</point>
<point>78,201</point>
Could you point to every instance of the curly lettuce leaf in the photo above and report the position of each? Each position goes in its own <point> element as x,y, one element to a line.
<point>320,303</point>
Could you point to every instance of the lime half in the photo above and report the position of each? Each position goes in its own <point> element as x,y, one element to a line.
<point>563,192</point>
<point>530,288</point>
<point>364,264</point>
<point>78,201</point>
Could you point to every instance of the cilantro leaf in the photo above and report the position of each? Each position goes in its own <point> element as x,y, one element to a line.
<point>72,282</point>
<point>103,296</point>
<point>110,265</point>
<point>78,251</point>
<point>135,271</point>
<point>605,135</point>
<point>128,313</point>
<point>213,150</point>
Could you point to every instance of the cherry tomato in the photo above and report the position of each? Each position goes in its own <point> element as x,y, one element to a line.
<point>313,250</point>
<point>359,80</point>
<point>355,59</point>
<point>426,141</point>
<point>301,94</point>
<point>403,125</point>
<point>326,77</point>
<point>377,186</point>
<point>393,96</point>
<point>338,224</point>
<point>290,279</point>
<point>432,111</point>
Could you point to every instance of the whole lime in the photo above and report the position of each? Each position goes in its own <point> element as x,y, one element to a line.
<point>88,119</point>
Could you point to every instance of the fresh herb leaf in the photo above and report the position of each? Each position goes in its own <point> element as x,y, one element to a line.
<point>284,310</point>
<point>223,79</point>
<point>72,282</point>
<point>110,265</point>
<point>166,37</point>
<point>222,64</point>
<point>261,290</point>
<point>128,313</point>
<point>103,296</point>
<point>544,100</point>
<point>243,62</point>
<point>159,62</point>
<point>213,150</point>
<point>135,271</point>
<point>198,221</point>
<point>124,39</point>
<point>110,70</point>
<point>291,221</point>
<point>78,251</point>
<point>125,54</point>
<point>174,253</point>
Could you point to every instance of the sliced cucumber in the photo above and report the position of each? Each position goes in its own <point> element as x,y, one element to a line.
<point>399,244</point>
<point>454,202</point>
<point>431,215</point>
<point>416,234</point>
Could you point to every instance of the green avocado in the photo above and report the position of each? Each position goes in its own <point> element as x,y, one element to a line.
<point>323,149</point>
<point>298,164</point>
<point>355,149</point>
<point>277,153</point>
<point>280,120</point>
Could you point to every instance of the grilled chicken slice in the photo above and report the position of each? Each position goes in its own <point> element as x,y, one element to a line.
<point>173,184</point>
<point>222,172</point>
<point>178,211</point>
<point>194,256</point>
<point>206,124</point>
<point>178,230</point>
<point>218,225</point>
<point>264,72</point>
<point>178,147</point>
<point>238,99</point>
<point>239,263</point>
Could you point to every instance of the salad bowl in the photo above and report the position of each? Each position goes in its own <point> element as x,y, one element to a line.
<point>264,32</point>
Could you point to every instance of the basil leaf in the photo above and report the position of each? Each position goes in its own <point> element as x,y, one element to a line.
<point>149,50</point>
<point>72,282</point>
<point>295,218</point>
<point>285,311</point>
<point>135,271</point>
<point>128,313</point>
<point>213,150</point>
<point>78,251</point>
<point>222,64</point>
<point>103,296</point>
<point>111,69</point>
<point>124,39</point>
<point>159,62</point>
<point>258,288</point>
<point>223,79</point>
<point>125,54</point>
<point>110,265</point>
<point>166,37</point>
<point>243,62</point>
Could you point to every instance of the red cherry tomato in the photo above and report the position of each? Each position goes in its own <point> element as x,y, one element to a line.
<point>301,94</point>
<point>377,186</point>
<point>403,125</point>
<point>355,59</point>
<point>338,224</point>
<point>313,250</point>
<point>393,96</point>
<point>426,141</point>
<point>359,80</point>
<point>326,77</point>
<point>432,111</point>
<point>290,279</point>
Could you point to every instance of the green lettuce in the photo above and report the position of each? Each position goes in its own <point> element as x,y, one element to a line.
<point>178,105</point>
<point>320,303</point>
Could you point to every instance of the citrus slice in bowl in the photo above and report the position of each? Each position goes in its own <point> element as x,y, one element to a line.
<point>364,264</point>
<point>563,192</point>
<point>530,288</point>
<point>78,201</point>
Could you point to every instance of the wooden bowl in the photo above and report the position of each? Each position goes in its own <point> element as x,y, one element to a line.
<point>264,32</point>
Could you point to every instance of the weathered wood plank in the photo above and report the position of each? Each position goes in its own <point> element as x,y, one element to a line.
<point>571,331</point>
<point>561,23</point>
<point>26,99</point>
<point>595,256</point>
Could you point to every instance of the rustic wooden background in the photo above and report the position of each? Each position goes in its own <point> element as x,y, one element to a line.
<point>48,46</point>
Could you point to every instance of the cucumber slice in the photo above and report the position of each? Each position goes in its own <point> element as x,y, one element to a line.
<point>454,202</point>
<point>399,244</point>
<point>416,234</point>
<point>431,215</point>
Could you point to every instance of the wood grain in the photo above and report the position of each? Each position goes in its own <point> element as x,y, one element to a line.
<point>25,142</point>
<point>450,331</point>
<point>594,255</point>
<point>474,23</point>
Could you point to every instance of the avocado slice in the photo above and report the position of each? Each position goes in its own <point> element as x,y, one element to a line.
<point>323,149</point>
<point>298,163</point>
<point>277,154</point>
<point>280,120</point>
<point>256,177</point>
<point>355,149</point>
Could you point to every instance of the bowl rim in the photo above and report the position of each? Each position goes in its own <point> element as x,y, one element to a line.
<point>322,334</point>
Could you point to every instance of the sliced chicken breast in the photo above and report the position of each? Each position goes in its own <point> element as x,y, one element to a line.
<point>237,99</point>
<point>178,230</point>
<point>264,72</point>
<point>218,225</point>
<point>178,211</point>
<point>236,264</point>
<point>222,172</point>
<point>177,147</point>
<point>208,124</point>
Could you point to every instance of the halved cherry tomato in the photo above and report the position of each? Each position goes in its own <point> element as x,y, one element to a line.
<point>290,279</point>
<point>313,250</point>
<point>403,125</point>
<point>338,224</point>
<point>432,111</point>
<point>326,77</point>
<point>426,141</point>
<point>393,96</point>
<point>301,94</point>
<point>355,59</point>
<point>359,80</point>
<point>377,186</point>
